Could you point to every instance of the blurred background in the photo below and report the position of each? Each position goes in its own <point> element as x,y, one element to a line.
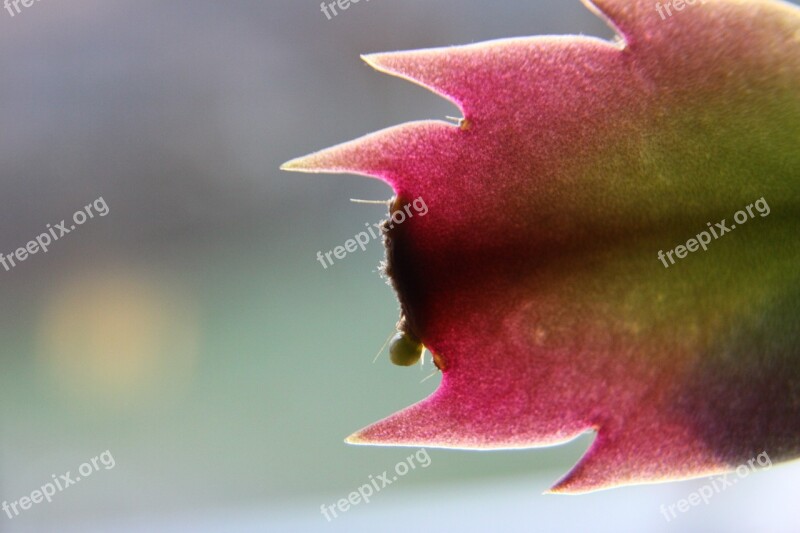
<point>191,332</point>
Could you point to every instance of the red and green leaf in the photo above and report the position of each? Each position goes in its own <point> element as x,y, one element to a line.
<point>534,277</point>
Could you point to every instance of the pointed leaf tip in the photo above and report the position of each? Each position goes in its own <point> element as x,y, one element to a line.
<point>536,273</point>
<point>298,164</point>
<point>383,155</point>
<point>440,70</point>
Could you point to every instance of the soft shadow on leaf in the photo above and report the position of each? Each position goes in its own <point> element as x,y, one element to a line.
<point>537,276</point>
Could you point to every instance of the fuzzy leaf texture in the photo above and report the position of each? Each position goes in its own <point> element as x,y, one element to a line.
<point>534,277</point>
